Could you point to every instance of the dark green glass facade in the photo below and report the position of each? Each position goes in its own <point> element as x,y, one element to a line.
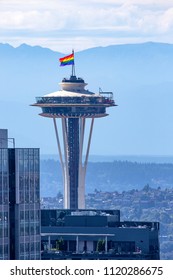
<point>4,205</point>
<point>20,204</point>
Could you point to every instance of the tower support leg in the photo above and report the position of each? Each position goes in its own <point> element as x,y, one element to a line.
<point>83,167</point>
<point>73,169</point>
<point>66,171</point>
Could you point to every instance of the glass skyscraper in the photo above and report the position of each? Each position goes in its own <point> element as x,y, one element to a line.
<point>19,204</point>
<point>4,205</point>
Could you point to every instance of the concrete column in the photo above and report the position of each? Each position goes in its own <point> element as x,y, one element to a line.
<point>106,244</point>
<point>77,244</point>
<point>49,243</point>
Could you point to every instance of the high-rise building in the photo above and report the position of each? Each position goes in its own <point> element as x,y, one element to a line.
<point>19,202</point>
<point>73,104</point>
<point>4,196</point>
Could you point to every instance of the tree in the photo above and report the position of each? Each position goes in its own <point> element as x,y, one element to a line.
<point>60,244</point>
<point>146,188</point>
<point>100,245</point>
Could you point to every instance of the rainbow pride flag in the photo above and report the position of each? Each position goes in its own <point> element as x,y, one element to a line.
<point>67,60</point>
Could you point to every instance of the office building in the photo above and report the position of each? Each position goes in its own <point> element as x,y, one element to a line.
<point>4,197</point>
<point>19,203</point>
<point>96,234</point>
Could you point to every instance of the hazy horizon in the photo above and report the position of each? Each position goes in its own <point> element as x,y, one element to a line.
<point>110,158</point>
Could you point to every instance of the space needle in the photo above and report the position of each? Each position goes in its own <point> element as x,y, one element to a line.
<point>74,106</point>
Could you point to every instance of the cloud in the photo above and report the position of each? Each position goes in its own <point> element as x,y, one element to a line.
<point>166,21</point>
<point>54,14</point>
<point>85,20</point>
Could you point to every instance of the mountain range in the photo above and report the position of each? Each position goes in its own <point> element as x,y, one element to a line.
<point>139,75</point>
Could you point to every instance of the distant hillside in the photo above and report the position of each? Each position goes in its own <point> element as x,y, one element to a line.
<point>140,75</point>
<point>109,176</point>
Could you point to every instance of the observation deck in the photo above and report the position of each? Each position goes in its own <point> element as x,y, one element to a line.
<point>73,101</point>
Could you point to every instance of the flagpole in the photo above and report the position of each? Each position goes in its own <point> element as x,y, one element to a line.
<point>73,66</point>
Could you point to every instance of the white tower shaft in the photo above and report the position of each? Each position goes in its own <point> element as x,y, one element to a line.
<point>82,164</point>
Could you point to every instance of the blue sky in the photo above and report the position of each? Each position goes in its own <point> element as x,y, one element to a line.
<point>80,24</point>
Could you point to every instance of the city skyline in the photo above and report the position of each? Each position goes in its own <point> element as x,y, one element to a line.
<point>63,25</point>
